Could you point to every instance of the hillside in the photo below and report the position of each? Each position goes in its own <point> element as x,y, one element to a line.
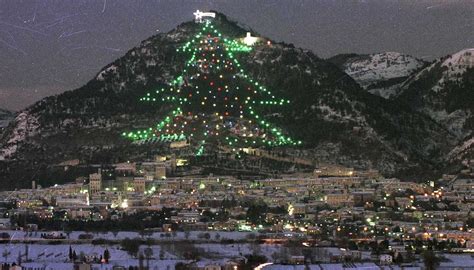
<point>381,73</point>
<point>443,91</point>
<point>336,120</point>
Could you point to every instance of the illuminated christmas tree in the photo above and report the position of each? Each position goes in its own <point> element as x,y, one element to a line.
<point>214,100</point>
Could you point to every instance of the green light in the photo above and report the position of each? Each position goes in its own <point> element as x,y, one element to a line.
<point>224,52</point>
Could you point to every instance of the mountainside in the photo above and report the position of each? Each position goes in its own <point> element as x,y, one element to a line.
<point>337,121</point>
<point>444,91</point>
<point>381,73</point>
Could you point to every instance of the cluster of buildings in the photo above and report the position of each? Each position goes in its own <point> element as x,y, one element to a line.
<point>332,205</point>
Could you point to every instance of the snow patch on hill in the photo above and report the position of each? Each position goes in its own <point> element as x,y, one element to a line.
<point>110,70</point>
<point>370,70</point>
<point>460,61</point>
<point>452,69</point>
<point>26,125</point>
<point>381,66</point>
<point>458,151</point>
<point>454,66</point>
<point>454,121</point>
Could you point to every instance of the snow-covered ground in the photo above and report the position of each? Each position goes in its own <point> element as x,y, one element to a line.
<point>167,255</point>
<point>56,256</point>
<point>460,149</point>
<point>455,65</point>
<point>193,235</point>
<point>453,261</point>
<point>333,266</point>
<point>154,265</point>
<point>460,61</point>
<point>26,125</point>
<point>379,67</point>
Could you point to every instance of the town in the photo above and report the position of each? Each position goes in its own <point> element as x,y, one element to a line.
<point>332,216</point>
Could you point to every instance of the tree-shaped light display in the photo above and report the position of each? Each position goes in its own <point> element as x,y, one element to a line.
<point>214,99</point>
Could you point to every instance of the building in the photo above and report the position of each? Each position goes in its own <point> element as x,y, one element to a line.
<point>95,182</point>
<point>333,170</point>
<point>179,144</point>
<point>362,197</point>
<point>296,260</point>
<point>463,186</point>
<point>339,199</point>
<point>125,168</point>
<point>385,259</point>
<point>160,171</point>
<point>139,184</point>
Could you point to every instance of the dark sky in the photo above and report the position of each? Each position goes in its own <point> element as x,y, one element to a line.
<point>49,46</point>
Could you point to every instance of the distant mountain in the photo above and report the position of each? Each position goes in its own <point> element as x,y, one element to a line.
<point>444,91</point>
<point>381,73</point>
<point>5,118</point>
<point>337,121</point>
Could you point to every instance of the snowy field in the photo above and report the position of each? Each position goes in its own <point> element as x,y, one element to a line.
<point>166,255</point>
<point>56,256</point>
<point>193,235</point>
<point>163,256</point>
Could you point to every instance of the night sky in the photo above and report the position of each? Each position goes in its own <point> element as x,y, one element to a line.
<point>47,47</point>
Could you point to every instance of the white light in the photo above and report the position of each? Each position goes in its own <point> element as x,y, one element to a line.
<point>249,40</point>
<point>124,204</point>
<point>198,15</point>
<point>261,266</point>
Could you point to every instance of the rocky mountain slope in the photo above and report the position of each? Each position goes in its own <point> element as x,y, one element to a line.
<point>381,73</point>
<point>337,121</point>
<point>444,91</point>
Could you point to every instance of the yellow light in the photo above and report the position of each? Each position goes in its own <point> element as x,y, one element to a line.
<point>124,204</point>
